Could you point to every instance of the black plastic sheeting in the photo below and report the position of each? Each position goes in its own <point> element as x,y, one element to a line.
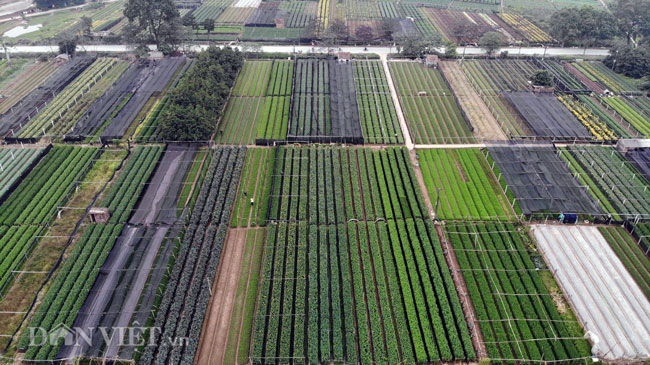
<point>541,181</point>
<point>641,160</point>
<point>20,114</point>
<point>155,80</point>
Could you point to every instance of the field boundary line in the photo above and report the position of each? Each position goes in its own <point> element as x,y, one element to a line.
<point>398,107</point>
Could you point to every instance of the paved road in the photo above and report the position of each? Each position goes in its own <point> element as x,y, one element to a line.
<point>530,51</point>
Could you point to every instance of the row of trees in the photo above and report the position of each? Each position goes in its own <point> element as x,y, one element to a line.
<point>196,104</point>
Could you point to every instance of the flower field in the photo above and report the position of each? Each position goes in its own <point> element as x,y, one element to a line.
<point>619,188</point>
<point>636,113</point>
<point>594,110</point>
<point>378,117</point>
<point>14,163</point>
<point>67,294</point>
<point>273,121</point>
<point>256,185</point>
<point>324,251</point>
<point>517,314</point>
<point>449,21</point>
<point>34,203</point>
<point>435,116</point>
<point>591,121</point>
<point>187,291</point>
<point>526,28</point>
<point>598,73</point>
<point>630,254</point>
<point>468,188</point>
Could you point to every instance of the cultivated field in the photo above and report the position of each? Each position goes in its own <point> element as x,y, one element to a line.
<point>607,300</point>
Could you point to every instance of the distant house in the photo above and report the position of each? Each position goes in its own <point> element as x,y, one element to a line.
<point>344,57</point>
<point>543,89</point>
<point>432,61</point>
<point>279,23</point>
<point>99,215</point>
<point>156,55</point>
<point>62,58</point>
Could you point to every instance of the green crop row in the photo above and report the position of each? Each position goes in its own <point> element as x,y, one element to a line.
<point>630,252</point>
<point>253,79</point>
<point>353,291</point>
<point>630,112</point>
<point>516,314</point>
<point>253,196</point>
<point>468,189</point>
<point>378,117</point>
<point>14,161</point>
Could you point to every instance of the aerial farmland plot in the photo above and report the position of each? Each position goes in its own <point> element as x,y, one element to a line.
<point>608,302</point>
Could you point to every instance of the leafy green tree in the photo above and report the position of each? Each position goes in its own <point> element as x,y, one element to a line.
<point>450,49</point>
<point>542,78</point>
<point>386,28</point>
<point>416,48</point>
<point>208,24</point>
<point>156,21</point>
<point>491,41</point>
<point>583,26</point>
<point>364,33</point>
<point>337,30</point>
<point>189,20</point>
<point>630,61</point>
<point>68,46</point>
<point>633,18</point>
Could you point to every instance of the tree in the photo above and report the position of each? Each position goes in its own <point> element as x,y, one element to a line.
<point>466,32</point>
<point>542,78</point>
<point>490,42</point>
<point>416,48</point>
<point>156,21</point>
<point>364,33</point>
<point>86,24</point>
<point>630,61</point>
<point>189,20</point>
<point>386,28</point>
<point>450,49</point>
<point>583,26</point>
<point>337,30</point>
<point>68,46</point>
<point>208,24</point>
<point>633,19</point>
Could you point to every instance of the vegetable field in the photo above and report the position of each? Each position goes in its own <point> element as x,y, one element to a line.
<point>430,108</point>
<point>25,82</point>
<point>273,121</point>
<point>631,255</point>
<point>252,202</point>
<point>378,117</point>
<point>526,28</point>
<point>620,189</point>
<point>636,112</point>
<point>311,100</point>
<point>605,78</point>
<point>14,163</point>
<point>467,186</point>
<point>607,300</point>
<point>540,180</point>
<point>449,21</point>
<point>33,204</point>
<point>640,158</point>
<point>69,289</point>
<point>338,276</point>
<point>517,315</point>
<point>182,307</point>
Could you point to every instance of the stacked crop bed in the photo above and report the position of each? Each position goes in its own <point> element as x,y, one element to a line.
<point>182,308</point>
<point>541,181</point>
<point>605,78</point>
<point>153,84</point>
<point>235,16</point>
<point>353,270</point>
<point>465,184</point>
<point>77,275</point>
<point>298,14</point>
<point>20,114</point>
<point>422,21</point>
<point>430,107</point>
<point>253,196</point>
<point>620,189</point>
<point>474,24</point>
<point>14,163</point>
<point>310,110</point>
<point>33,204</point>
<point>641,233</point>
<point>273,120</point>
<point>9,69</point>
<point>547,117</point>
<point>246,103</point>
<point>378,117</point>
<point>526,28</point>
<point>491,78</point>
<point>641,159</point>
<point>264,15</point>
<point>635,111</point>
<point>629,252</point>
<point>589,108</point>
<point>599,129</point>
<point>608,302</point>
<point>60,114</point>
<point>517,315</point>
<point>346,124</point>
<point>24,83</point>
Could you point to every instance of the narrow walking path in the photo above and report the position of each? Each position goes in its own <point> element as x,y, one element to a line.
<point>398,108</point>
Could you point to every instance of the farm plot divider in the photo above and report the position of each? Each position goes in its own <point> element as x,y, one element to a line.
<point>15,164</point>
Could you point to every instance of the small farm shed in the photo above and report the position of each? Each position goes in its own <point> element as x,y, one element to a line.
<point>432,61</point>
<point>279,23</point>
<point>625,145</point>
<point>62,58</point>
<point>99,215</point>
<point>156,55</point>
<point>344,57</point>
<point>543,89</point>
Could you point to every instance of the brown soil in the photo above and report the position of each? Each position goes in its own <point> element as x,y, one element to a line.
<point>214,336</point>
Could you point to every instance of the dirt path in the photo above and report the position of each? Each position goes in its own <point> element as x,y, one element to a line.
<point>214,336</point>
<point>478,113</point>
<point>398,108</point>
<point>420,178</point>
<point>463,294</point>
